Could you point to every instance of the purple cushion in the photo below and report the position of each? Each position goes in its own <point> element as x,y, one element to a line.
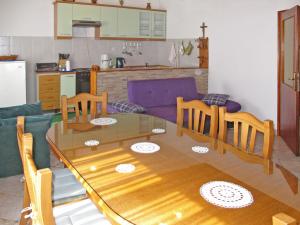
<point>161,92</point>
<point>166,112</point>
<point>232,106</point>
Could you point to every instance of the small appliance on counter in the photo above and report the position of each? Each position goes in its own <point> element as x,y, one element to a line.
<point>120,62</point>
<point>46,67</point>
<point>105,62</point>
<point>64,63</point>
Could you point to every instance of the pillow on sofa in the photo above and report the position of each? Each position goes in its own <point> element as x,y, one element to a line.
<point>123,106</point>
<point>21,110</point>
<point>215,99</point>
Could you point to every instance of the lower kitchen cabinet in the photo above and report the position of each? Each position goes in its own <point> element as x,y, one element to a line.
<point>68,85</point>
<point>52,86</point>
<point>48,93</point>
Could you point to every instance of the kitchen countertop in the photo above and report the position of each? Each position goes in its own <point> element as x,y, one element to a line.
<point>126,68</point>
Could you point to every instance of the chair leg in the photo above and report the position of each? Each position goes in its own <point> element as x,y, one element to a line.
<point>26,203</point>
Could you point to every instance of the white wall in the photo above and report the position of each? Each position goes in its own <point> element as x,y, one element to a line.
<point>243,46</point>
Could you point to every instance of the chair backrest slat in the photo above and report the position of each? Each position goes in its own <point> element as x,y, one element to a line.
<point>196,110</point>
<point>203,117</point>
<point>252,140</point>
<point>244,135</point>
<point>247,121</point>
<point>196,119</point>
<point>83,99</point>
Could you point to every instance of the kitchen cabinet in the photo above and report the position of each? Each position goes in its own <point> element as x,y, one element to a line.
<point>63,20</point>
<point>86,12</point>
<point>109,27</point>
<point>128,23</point>
<point>145,28</point>
<point>158,25</point>
<point>68,85</point>
<point>49,91</point>
<point>117,23</point>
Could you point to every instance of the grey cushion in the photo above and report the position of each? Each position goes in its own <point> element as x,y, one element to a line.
<point>21,110</point>
<point>123,106</point>
<point>65,187</point>
<point>79,213</point>
<point>215,99</point>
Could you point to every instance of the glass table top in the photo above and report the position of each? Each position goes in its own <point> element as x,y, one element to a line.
<point>134,183</point>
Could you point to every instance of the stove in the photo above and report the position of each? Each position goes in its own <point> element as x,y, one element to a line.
<point>82,80</point>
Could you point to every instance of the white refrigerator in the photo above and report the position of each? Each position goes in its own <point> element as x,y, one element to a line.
<point>12,83</point>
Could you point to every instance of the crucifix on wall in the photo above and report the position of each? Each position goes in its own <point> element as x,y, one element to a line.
<point>203,49</point>
<point>203,27</point>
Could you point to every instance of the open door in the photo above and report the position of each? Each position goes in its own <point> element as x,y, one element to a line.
<point>288,77</point>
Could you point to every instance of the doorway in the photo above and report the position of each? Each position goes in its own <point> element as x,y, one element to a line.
<point>288,77</point>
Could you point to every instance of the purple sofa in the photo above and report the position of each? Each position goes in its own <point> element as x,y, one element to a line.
<point>159,97</point>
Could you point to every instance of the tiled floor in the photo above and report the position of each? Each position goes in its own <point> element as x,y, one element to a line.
<point>11,188</point>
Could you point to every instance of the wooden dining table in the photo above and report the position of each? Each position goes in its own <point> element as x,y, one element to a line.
<point>164,186</point>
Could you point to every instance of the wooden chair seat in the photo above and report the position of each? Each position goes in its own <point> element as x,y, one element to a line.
<point>245,124</point>
<point>198,113</point>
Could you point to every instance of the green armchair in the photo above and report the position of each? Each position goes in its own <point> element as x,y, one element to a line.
<point>37,123</point>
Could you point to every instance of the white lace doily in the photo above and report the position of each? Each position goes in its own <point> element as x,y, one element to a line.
<point>145,147</point>
<point>91,143</point>
<point>200,149</point>
<point>158,131</point>
<point>125,168</point>
<point>226,195</point>
<point>103,121</point>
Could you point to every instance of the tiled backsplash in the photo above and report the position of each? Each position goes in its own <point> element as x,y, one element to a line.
<point>85,52</point>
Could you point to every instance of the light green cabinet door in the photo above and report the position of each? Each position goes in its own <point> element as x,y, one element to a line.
<point>64,20</point>
<point>68,85</point>
<point>128,23</point>
<point>86,12</point>
<point>145,28</point>
<point>159,25</point>
<point>109,22</point>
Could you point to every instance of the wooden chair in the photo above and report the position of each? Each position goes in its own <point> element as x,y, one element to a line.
<point>197,109</point>
<point>247,121</point>
<point>83,99</point>
<point>65,186</point>
<point>39,183</point>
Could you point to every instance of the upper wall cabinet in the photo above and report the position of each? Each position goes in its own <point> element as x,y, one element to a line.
<point>159,25</point>
<point>109,27</point>
<point>145,20</point>
<point>117,23</point>
<point>86,12</point>
<point>128,23</point>
<point>63,20</point>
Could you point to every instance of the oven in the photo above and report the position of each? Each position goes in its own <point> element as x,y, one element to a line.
<point>82,80</point>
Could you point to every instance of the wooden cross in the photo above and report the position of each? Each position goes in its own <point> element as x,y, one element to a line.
<point>203,29</point>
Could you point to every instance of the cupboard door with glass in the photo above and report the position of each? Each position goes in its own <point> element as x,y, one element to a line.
<point>145,28</point>
<point>158,25</point>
